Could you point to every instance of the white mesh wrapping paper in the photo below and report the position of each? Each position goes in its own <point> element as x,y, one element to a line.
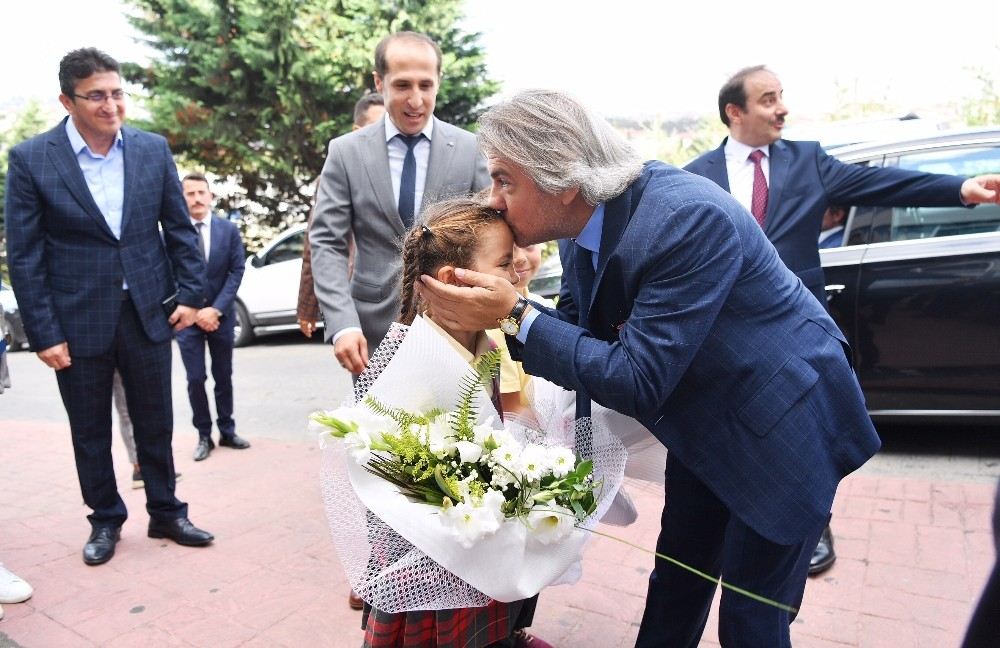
<point>389,571</point>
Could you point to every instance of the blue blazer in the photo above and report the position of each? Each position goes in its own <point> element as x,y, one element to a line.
<point>65,264</point>
<point>701,333</point>
<point>226,263</point>
<point>804,180</point>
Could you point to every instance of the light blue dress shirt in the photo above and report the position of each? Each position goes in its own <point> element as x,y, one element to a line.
<point>589,239</point>
<point>105,175</point>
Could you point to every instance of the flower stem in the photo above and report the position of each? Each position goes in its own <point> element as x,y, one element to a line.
<point>697,572</point>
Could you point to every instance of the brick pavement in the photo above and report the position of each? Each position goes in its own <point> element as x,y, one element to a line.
<point>913,557</point>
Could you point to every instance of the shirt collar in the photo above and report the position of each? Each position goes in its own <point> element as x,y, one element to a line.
<point>79,144</point>
<point>590,236</point>
<point>482,342</point>
<point>391,130</point>
<point>207,220</point>
<point>737,150</point>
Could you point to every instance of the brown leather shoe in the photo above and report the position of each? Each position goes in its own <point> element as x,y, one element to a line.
<point>355,601</point>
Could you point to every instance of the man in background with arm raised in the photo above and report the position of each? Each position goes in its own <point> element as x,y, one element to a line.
<point>787,186</point>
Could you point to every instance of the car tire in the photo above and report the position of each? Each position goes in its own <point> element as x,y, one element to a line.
<point>243,331</point>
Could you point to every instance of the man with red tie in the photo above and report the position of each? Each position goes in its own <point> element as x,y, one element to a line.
<point>788,185</point>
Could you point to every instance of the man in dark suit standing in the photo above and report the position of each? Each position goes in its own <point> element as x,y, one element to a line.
<point>373,186</point>
<point>787,186</point>
<point>99,289</point>
<point>676,310</point>
<point>215,322</point>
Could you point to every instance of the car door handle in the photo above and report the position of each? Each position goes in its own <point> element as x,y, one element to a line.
<point>835,288</point>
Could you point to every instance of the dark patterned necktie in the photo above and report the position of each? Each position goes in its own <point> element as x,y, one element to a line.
<point>408,181</point>
<point>758,203</point>
<point>201,239</point>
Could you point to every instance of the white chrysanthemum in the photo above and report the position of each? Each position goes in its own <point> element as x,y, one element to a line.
<point>550,522</point>
<point>506,469</point>
<point>469,523</point>
<point>561,460</point>
<point>534,462</point>
<point>469,452</point>
<point>485,431</point>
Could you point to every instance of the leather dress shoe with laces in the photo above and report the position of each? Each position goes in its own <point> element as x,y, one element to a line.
<point>100,545</point>
<point>181,531</point>
<point>823,555</point>
<point>205,446</point>
<point>236,442</point>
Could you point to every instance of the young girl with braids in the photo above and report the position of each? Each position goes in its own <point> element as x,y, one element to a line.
<point>460,233</point>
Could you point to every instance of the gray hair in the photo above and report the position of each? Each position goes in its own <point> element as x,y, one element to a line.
<point>560,145</point>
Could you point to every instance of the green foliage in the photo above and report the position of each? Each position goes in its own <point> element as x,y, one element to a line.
<point>27,123</point>
<point>985,109</point>
<point>485,369</point>
<point>255,89</point>
<point>402,418</point>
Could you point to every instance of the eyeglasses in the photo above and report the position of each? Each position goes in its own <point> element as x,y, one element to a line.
<point>101,97</point>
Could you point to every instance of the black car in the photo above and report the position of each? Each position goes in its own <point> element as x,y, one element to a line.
<point>916,291</point>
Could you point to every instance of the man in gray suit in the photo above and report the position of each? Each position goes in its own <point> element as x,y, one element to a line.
<point>374,183</point>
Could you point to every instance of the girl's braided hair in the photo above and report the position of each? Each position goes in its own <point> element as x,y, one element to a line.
<point>447,235</point>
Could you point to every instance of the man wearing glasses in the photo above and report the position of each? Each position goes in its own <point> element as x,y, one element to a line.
<point>99,289</point>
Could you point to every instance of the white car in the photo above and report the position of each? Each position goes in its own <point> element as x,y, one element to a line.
<point>267,299</point>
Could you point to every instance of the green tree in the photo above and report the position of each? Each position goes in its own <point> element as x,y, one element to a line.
<point>983,110</point>
<point>255,89</point>
<point>25,124</point>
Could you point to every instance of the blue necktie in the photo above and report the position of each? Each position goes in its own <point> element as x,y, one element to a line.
<point>408,181</point>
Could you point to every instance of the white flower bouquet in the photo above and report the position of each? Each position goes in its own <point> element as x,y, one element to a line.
<point>433,503</point>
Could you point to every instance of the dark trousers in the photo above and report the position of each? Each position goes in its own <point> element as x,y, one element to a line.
<point>85,387</point>
<point>698,530</point>
<point>192,342</point>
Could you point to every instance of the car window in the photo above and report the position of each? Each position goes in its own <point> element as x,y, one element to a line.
<point>908,223</point>
<point>287,250</point>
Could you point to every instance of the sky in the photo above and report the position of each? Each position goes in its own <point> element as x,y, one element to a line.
<point>632,57</point>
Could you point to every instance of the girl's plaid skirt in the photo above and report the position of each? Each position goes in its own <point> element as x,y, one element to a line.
<point>491,626</point>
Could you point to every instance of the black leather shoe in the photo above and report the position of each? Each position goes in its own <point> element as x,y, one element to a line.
<point>100,545</point>
<point>823,555</point>
<point>204,448</point>
<point>236,442</point>
<point>181,531</point>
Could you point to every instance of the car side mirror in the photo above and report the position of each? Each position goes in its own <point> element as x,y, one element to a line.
<point>256,261</point>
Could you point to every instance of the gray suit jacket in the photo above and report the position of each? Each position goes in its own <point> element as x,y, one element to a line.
<point>355,195</point>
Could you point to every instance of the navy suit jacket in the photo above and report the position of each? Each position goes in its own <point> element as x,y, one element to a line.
<point>699,331</point>
<point>226,263</point>
<point>804,180</point>
<point>65,264</point>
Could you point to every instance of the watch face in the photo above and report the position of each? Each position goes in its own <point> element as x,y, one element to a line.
<point>509,326</point>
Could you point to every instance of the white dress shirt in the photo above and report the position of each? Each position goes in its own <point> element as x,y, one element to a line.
<point>739,168</point>
<point>206,233</point>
